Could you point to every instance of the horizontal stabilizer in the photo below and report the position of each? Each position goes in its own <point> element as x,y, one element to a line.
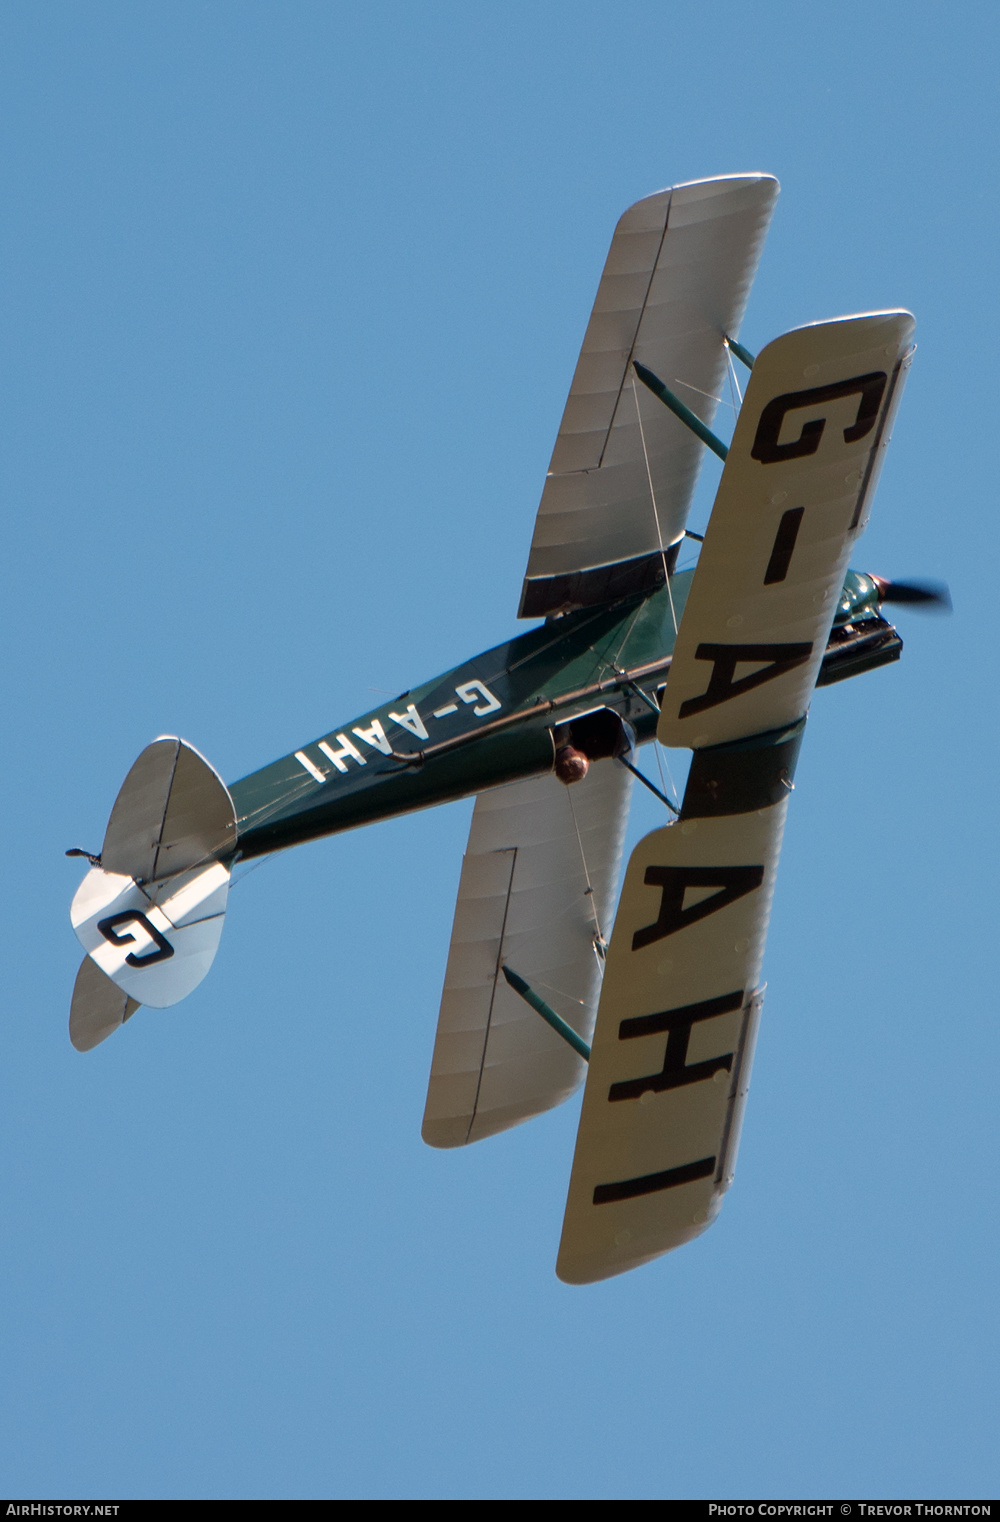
<point>794,496</point>
<point>99,1007</point>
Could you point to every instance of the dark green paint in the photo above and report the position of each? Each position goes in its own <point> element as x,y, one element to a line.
<point>742,354</point>
<point>743,775</point>
<point>687,417</point>
<point>547,1013</point>
<point>859,599</point>
<point>590,659</point>
<point>615,657</point>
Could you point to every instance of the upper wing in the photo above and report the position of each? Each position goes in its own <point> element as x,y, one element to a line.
<point>536,850</point>
<point>676,281</point>
<point>793,498</point>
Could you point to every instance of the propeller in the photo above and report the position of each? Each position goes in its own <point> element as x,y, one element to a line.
<point>926,594</point>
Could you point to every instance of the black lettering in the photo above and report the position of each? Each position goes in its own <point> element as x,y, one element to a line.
<point>652,1183</point>
<point>109,930</point>
<point>726,658</point>
<point>784,544</point>
<point>731,883</point>
<point>676,1071</point>
<point>768,451</point>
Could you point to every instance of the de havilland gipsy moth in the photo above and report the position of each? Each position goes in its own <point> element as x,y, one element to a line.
<point>658,1014</point>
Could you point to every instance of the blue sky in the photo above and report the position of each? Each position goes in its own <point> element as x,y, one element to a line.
<point>292,298</point>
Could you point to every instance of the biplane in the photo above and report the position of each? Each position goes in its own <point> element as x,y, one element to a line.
<point>659,1014</point>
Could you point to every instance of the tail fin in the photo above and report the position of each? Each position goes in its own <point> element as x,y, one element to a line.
<point>150,914</point>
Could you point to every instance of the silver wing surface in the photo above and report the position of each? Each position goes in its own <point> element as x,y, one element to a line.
<point>674,1037</point>
<point>675,283</point>
<point>794,496</point>
<point>98,1007</point>
<point>670,1064</point>
<point>538,885</point>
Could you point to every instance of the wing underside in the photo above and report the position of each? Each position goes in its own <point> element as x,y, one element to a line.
<point>670,1064</point>
<point>675,283</point>
<point>795,495</point>
<point>538,883</point>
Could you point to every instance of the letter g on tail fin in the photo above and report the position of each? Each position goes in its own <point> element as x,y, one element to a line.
<point>150,916</point>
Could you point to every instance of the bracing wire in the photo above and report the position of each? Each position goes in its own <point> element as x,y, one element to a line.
<point>659,536</point>
<point>660,762</point>
<point>586,871</point>
<point>733,378</point>
<point>656,515</point>
<point>551,988</point>
<point>721,400</point>
<point>243,875</point>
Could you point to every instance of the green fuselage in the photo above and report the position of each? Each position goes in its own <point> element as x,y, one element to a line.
<point>486,722</point>
<point>492,720</point>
